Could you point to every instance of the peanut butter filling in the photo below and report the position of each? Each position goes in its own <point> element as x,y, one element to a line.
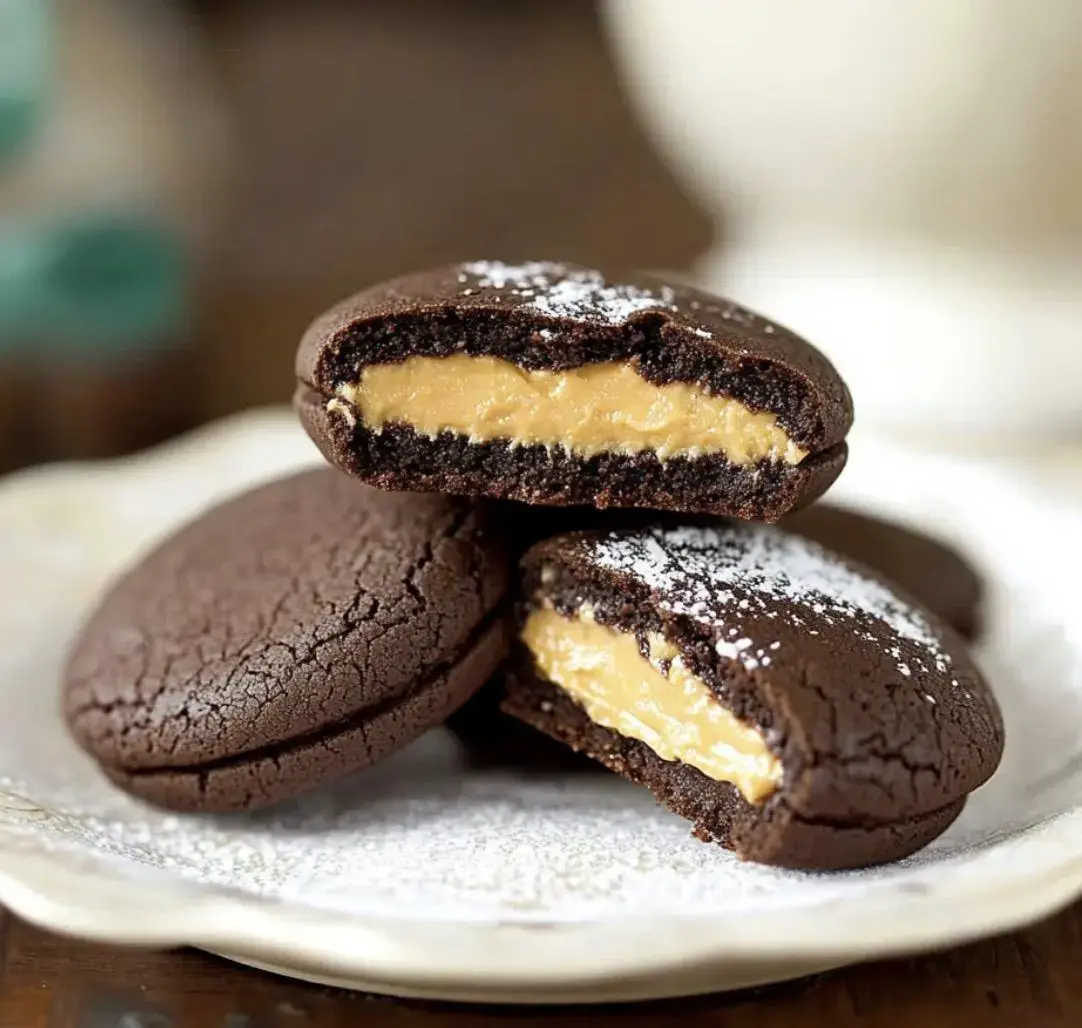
<point>657,700</point>
<point>596,408</point>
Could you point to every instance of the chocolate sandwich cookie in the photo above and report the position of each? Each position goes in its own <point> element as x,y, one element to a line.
<point>303,630</point>
<point>940,577</point>
<point>550,384</point>
<point>929,570</point>
<point>789,704</point>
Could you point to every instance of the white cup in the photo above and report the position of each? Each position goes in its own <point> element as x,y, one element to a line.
<point>900,182</point>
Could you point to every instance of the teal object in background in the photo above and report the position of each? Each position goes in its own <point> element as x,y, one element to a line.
<point>95,281</point>
<point>100,283</point>
<point>24,72</point>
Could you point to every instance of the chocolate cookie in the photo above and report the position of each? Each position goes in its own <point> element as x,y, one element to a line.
<point>928,569</point>
<point>550,384</point>
<point>787,703</point>
<point>298,632</point>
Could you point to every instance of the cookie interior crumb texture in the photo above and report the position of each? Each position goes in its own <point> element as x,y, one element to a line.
<point>547,383</point>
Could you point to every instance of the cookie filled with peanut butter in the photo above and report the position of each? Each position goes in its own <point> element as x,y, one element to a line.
<point>552,384</point>
<point>792,706</point>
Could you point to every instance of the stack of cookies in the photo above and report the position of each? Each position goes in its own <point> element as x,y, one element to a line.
<point>550,495</point>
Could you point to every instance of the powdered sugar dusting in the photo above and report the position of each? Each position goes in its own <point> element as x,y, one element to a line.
<point>699,572</point>
<point>562,291</point>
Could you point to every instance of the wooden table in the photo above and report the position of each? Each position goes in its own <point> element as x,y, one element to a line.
<point>1027,979</point>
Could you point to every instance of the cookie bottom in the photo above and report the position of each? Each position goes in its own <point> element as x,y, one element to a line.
<point>260,778</point>
<point>398,458</point>
<point>771,834</point>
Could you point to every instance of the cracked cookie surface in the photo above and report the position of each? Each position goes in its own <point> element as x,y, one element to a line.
<point>300,631</point>
<point>880,721</point>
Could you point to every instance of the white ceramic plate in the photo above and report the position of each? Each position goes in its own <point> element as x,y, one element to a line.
<point>422,878</point>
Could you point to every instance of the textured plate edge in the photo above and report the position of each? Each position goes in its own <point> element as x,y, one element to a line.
<point>563,962</point>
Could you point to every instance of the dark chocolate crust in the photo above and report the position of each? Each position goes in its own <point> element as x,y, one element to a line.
<point>305,628</point>
<point>559,316</point>
<point>716,809</point>
<point>882,723</point>
<point>937,575</point>
<point>399,458</point>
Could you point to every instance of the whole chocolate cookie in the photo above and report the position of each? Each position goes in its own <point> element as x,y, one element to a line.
<point>787,703</point>
<point>940,577</point>
<point>303,630</point>
<point>551,384</point>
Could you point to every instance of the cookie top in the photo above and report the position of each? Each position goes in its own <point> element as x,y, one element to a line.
<point>928,569</point>
<point>544,315</point>
<point>295,609</point>
<point>871,704</point>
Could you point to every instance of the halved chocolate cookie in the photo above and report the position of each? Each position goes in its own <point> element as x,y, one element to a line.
<point>551,384</point>
<point>932,572</point>
<point>303,630</point>
<point>789,704</point>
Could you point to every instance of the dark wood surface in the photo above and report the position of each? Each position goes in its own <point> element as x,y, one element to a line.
<point>1029,979</point>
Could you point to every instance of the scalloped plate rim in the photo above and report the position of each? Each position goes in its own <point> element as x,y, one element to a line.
<point>500,961</point>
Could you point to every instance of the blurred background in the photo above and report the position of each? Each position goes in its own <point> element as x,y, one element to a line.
<point>184,184</point>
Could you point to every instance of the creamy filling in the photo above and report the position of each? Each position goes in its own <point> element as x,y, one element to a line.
<point>596,408</point>
<point>656,700</point>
